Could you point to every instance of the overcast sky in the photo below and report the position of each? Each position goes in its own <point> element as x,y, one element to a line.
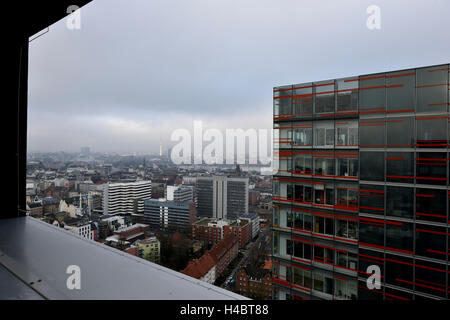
<point>138,69</point>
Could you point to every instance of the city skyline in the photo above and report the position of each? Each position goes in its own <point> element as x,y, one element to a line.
<point>199,61</point>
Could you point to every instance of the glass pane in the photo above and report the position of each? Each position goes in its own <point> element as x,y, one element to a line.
<point>372,94</point>
<point>400,202</point>
<point>324,97</point>
<point>372,166</point>
<point>373,133</point>
<point>347,94</point>
<point>432,89</point>
<point>400,91</point>
<point>400,132</point>
<point>400,167</point>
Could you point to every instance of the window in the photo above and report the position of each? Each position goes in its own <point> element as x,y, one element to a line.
<point>288,247</point>
<point>347,133</point>
<point>323,166</point>
<point>372,133</point>
<point>323,194</point>
<point>431,168</point>
<point>302,221</point>
<point>430,241</point>
<point>346,259</point>
<point>372,166</point>
<point>372,94</point>
<point>347,165</point>
<point>431,205</point>
<point>302,134</point>
<point>282,100</point>
<point>324,134</point>
<point>432,132</point>
<point>282,135</point>
<point>432,88</point>
<point>323,225</point>
<point>432,278</point>
<point>400,202</point>
<point>324,97</point>
<point>371,233</point>
<point>399,235</point>
<point>302,163</point>
<point>347,229</point>
<point>345,289</point>
<point>318,281</point>
<point>347,196</point>
<point>400,87</point>
<point>303,100</point>
<point>282,163</point>
<point>400,132</point>
<point>323,255</point>
<point>399,271</point>
<point>347,94</point>
<point>400,167</point>
<point>302,250</point>
<point>302,193</point>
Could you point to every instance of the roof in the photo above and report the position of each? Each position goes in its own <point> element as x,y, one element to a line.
<point>223,246</point>
<point>50,250</point>
<point>199,267</point>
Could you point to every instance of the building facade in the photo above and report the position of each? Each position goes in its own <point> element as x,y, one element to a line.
<point>361,179</point>
<point>163,214</point>
<point>222,197</point>
<point>126,198</point>
<point>179,193</point>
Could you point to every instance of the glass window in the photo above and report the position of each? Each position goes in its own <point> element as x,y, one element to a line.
<point>372,94</point>
<point>323,194</point>
<point>324,97</point>
<point>399,271</point>
<point>432,88</point>
<point>323,166</point>
<point>345,289</point>
<point>400,87</point>
<point>400,167</point>
<point>324,134</point>
<point>347,196</point>
<point>303,100</point>
<point>432,132</point>
<point>302,163</point>
<point>430,278</point>
<point>302,134</point>
<point>400,132</point>
<point>347,95</point>
<point>431,205</point>
<point>430,241</point>
<point>371,232</point>
<point>372,133</point>
<point>318,281</point>
<point>400,202</point>
<point>367,258</point>
<point>431,168</point>
<point>282,100</point>
<point>346,259</point>
<point>400,235</point>
<point>282,135</point>
<point>288,246</point>
<point>372,166</point>
<point>302,193</point>
<point>347,133</point>
<point>347,165</point>
<point>282,163</point>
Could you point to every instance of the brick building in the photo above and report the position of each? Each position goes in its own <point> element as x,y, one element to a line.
<point>257,285</point>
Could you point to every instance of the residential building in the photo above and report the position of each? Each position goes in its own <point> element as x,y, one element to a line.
<point>257,285</point>
<point>150,249</point>
<point>133,232</point>
<point>125,198</point>
<point>222,197</point>
<point>360,180</point>
<point>213,231</point>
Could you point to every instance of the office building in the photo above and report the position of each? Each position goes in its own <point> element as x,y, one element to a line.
<point>126,198</point>
<point>361,179</point>
<point>164,214</point>
<point>180,193</point>
<point>221,197</point>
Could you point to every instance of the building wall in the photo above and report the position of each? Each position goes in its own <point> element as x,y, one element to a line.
<point>361,178</point>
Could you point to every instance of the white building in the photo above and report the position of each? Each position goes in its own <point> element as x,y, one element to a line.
<point>126,198</point>
<point>180,193</point>
<point>83,230</point>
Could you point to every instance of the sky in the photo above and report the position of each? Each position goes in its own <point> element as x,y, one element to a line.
<point>136,70</point>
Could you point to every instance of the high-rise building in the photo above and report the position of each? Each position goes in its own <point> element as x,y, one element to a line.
<point>164,214</point>
<point>222,197</point>
<point>361,184</point>
<point>126,198</point>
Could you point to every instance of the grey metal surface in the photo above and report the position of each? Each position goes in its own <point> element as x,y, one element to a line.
<point>11,288</point>
<point>40,253</point>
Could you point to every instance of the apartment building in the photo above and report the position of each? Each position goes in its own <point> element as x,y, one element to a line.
<point>126,198</point>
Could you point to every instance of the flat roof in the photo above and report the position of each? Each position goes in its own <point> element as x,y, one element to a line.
<point>35,250</point>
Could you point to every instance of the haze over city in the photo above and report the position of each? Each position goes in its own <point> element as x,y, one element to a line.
<point>137,70</point>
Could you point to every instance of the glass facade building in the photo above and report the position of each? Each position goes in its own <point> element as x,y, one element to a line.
<point>361,178</point>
